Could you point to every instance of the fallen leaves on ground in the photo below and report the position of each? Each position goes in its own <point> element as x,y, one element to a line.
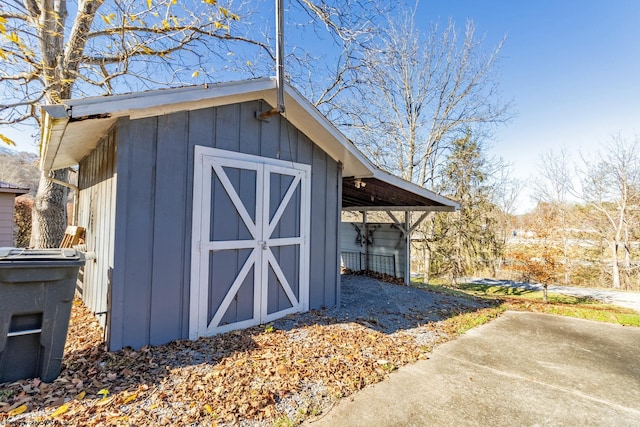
<point>262,374</point>
<point>374,274</point>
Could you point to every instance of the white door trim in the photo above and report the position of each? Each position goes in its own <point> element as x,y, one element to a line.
<point>261,256</point>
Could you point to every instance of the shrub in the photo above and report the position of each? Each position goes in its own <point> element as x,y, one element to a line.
<point>22,220</point>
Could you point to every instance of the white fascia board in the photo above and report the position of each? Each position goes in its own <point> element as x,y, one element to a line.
<point>303,115</point>
<point>102,111</point>
<point>299,111</point>
<point>83,122</point>
<point>166,101</point>
<point>54,123</point>
<point>399,209</point>
<point>409,186</point>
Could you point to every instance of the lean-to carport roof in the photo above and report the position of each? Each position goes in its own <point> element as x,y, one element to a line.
<point>74,128</point>
<point>385,193</point>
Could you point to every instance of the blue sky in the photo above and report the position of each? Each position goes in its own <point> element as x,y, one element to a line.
<point>572,69</point>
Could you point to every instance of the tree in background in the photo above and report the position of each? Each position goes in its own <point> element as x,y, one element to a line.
<point>505,195</point>
<point>541,267</point>
<point>22,219</point>
<point>610,187</point>
<point>53,50</point>
<point>553,188</point>
<point>331,77</point>
<point>423,92</point>
<point>539,259</point>
<point>20,168</point>
<point>49,57</point>
<point>587,220</point>
<point>419,93</point>
<point>467,241</point>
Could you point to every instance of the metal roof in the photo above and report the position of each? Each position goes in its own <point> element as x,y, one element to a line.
<point>6,187</point>
<point>366,194</point>
<point>74,128</point>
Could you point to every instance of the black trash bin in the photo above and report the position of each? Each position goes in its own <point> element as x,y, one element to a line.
<point>36,293</point>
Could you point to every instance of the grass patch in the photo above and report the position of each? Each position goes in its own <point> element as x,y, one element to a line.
<point>461,323</point>
<point>523,293</point>
<point>521,299</point>
<point>443,289</point>
<point>603,313</point>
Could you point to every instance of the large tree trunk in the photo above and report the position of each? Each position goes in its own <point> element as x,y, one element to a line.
<point>615,269</point>
<point>627,258</point>
<point>565,254</point>
<point>49,218</point>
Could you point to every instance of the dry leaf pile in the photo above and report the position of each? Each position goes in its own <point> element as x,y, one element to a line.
<point>374,274</point>
<point>292,369</point>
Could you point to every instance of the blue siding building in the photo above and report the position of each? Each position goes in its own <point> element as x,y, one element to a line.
<point>201,218</point>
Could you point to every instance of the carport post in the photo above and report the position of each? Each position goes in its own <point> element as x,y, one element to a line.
<point>365,234</point>
<point>407,257</point>
<point>407,228</point>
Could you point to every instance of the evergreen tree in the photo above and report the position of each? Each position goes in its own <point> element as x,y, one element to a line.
<point>467,241</point>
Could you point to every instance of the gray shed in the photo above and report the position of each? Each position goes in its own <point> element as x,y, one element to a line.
<point>8,193</point>
<point>201,218</point>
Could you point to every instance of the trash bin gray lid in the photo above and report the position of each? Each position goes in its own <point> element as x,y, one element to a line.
<point>64,256</point>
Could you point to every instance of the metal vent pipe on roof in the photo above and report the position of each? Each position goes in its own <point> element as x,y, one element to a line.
<point>280,53</point>
<point>279,63</point>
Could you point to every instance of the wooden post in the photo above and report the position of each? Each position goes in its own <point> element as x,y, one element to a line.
<point>339,237</point>
<point>407,236</point>
<point>365,236</point>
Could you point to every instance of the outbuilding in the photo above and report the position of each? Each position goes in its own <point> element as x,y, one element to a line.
<point>202,217</point>
<point>8,193</point>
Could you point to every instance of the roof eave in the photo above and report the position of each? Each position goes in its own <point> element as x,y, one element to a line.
<point>315,124</point>
<point>165,101</point>
<point>409,186</point>
<point>16,191</point>
<point>392,208</point>
<point>54,119</point>
<point>105,110</point>
<point>84,122</point>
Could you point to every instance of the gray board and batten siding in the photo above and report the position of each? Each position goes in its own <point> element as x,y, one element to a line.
<point>96,212</point>
<point>149,247</point>
<point>6,219</point>
<point>8,193</point>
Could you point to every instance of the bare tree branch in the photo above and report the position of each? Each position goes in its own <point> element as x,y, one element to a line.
<point>111,46</point>
<point>423,92</point>
<point>610,186</point>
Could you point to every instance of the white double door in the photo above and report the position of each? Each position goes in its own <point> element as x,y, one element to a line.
<point>250,253</point>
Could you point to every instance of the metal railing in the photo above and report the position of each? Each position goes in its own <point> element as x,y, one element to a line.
<point>385,264</point>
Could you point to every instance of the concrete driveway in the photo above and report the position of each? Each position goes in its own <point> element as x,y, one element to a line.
<point>523,369</point>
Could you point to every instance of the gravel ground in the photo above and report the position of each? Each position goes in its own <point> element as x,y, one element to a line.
<point>395,307</point>
<point>389,308</point>
<point>292,370</point>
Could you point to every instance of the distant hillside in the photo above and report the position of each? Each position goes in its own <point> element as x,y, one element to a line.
<point>19,168</point>
<point>6,150</point>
